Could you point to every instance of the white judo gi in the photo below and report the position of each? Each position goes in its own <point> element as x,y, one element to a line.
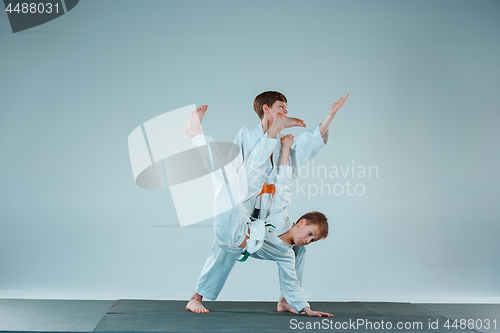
<point>236,187</point>
<point>231,222</point>
<point>219,263</point>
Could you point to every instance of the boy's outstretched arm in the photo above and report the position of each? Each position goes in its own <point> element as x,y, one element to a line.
<point>323,127</point>
<point>292,291</point>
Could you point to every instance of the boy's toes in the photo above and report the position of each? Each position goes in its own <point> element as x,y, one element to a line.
<point>201,111</point>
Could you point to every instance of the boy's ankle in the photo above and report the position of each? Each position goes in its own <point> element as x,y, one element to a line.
<point>196,297</point>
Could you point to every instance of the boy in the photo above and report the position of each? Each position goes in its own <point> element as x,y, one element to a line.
<point>274,237</point>
<point>267,105</point>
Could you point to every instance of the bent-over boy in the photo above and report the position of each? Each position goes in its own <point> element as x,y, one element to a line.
<point>271,238</point>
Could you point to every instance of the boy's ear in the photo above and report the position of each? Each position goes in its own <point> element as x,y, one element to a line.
<point>301,222</point>
<point>265,108</point>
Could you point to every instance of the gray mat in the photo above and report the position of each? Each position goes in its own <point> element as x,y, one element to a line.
<point>38,315</point>
<point>171,316</point>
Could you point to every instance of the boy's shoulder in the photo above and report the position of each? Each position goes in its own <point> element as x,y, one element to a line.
<point>250,130</point>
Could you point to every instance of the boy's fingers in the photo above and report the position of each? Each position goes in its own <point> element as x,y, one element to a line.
<point>340,101</point>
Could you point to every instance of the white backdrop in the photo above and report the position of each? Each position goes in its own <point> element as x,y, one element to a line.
<point>423,79</point>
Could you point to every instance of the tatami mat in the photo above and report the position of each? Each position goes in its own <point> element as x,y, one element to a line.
<point>171,316</point>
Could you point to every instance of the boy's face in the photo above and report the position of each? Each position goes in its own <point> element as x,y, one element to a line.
<point>306,233</point>
<point>278,107</point>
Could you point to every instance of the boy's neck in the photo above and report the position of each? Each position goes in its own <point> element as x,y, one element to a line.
<point>287,237</point>
<point>266,123</point>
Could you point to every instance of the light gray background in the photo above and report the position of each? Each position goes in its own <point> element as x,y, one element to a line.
<point>423,79</point>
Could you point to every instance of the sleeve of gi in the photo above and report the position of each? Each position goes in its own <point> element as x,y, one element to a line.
<point>289,284</point>
<point>300,257</point>
<point>306,145</point>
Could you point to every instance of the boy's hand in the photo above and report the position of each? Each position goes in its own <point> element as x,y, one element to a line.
<point>338,105</point>
<point>312,313</point>
<point>323,127</point>
<point>287,141</point>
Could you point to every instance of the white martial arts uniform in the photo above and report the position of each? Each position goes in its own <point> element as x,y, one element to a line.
<point>219,263</point>
<point>231,225</point>
<point>277,250</point>
<point>236,187</point>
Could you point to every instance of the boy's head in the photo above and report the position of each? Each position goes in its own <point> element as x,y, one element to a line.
<point>309,228</point>
<point>268,98</point>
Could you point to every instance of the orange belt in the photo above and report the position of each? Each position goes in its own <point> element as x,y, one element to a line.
<point>268,189</point>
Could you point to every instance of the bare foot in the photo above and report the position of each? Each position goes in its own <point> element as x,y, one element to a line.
<point>193,127</point>
<point>283,306</point>
<point>281,122</point>
<point>195,305</point>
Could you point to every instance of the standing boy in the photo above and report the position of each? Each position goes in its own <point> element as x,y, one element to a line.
<point>305,146</point>
<point>269,239</point>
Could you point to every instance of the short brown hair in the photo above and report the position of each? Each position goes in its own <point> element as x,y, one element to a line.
<point>267,98</point>
<point>319,219</point>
